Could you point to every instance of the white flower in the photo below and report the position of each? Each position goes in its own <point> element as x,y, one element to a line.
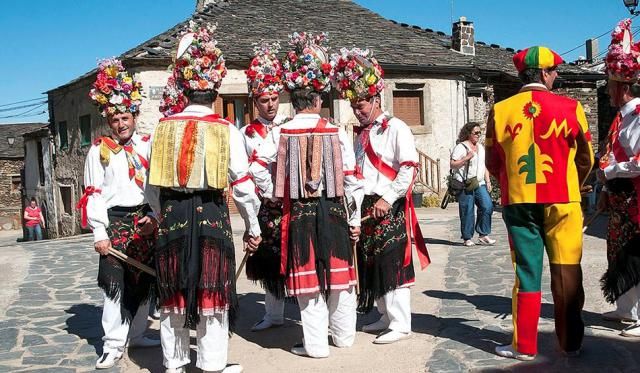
<point>115,99</point>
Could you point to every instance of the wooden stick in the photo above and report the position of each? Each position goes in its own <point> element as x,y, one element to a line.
<point>355,266</point>
<point>591,219</point>
<point>131,261</point>
<point>242,263</point>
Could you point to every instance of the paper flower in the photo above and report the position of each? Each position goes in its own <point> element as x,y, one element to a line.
<point>308,64</point>
<point>115,91</point>
<point>358,75</point>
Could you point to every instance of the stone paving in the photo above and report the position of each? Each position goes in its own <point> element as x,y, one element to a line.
<point>53,325</point>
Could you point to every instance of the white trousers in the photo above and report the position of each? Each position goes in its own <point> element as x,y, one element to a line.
<point>395,307</point>
<point>274,308</point>
<point>212,334</point>
<point>337,314</point>
<point>627,303</point>
<point>116,331</point>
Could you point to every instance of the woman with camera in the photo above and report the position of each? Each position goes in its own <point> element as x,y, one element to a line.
<point>467,165</point>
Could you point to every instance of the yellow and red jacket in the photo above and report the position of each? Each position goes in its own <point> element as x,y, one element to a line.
<point>539,147</point>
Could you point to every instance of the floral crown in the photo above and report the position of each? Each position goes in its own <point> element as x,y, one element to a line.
<point>264,74</point>
<point>173,99</point>
<point>308,63</point>
<point>623,60</point>
<point>358,75</point>
<point>199,64</point>
<point>115,91</point>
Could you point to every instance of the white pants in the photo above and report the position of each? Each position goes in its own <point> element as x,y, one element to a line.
<point>212,334</point>
<point>274,309</point>
<point>338,314</point>
<point>115,330</point>
<point>627,303</point>
<point>395,307</point>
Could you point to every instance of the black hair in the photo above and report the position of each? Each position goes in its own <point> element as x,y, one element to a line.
<point>465,131</point>
<point>206,97</point>
<point>303,98</point>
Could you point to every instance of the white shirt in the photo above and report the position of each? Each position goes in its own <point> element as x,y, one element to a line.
<point>476,164</point>
<point>254,142</point>
<point>117,189</point>
<point>353,188</point>
<point>243,193</point>
<point>629,137</point>
<point>393,145</point>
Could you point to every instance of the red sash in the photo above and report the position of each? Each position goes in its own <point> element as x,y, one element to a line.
<point>83,201</point>
<point>286,205</point>
<point>414,233</point>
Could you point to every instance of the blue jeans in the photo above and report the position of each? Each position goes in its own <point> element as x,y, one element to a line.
<point>38,233</point>
<point>466,203</point>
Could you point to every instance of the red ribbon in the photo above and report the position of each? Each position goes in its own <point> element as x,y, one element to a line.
<point>83,201</point>
<point>254,158</point>
<point>241,180</point>
<point>256,127</point>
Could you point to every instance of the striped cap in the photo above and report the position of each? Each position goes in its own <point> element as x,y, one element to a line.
<point>536,58</point>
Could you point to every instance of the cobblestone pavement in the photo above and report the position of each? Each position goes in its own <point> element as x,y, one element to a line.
<point>461,310</point>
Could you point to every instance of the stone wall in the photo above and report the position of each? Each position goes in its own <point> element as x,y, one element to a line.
<point>588,97</point>
<point>10,202</point>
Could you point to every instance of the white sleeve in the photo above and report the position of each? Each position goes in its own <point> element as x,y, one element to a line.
<point>630,168</point>
<point>97,216</point>
<point>407,157</point>
<point>458,152</point>
<point>152,192</point>
<point>268,153</point>
<point>243,188</point>
<point>353,187</point>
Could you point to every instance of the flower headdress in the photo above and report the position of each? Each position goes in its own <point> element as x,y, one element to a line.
<point>198,65</point>
<point>623,60</point>
<point>264,74</point>
<point>115,91</point>
<point>358,75</point>
<point>308,63</point>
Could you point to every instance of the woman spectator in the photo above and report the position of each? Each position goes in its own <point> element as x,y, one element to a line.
<point>467,163</point>
<point>34,220</point>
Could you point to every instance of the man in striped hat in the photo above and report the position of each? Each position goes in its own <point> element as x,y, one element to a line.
<point>539,147</point>
<point>264,80</point>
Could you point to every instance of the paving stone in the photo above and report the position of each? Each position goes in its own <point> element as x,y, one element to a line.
<point>65,338</point>
<point>13,355</point>
<point>41,360</point>
<point>32,340</point>
<point>53,349</point>
<point>8,339</point>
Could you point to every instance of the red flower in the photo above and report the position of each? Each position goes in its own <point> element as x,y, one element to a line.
<point>317,85</point>
<point>372,90</point>
<point>637,110</point>
<point>384,124</point>
<point>326,68</point>
<point>254,62</point>
<point>344,83</point>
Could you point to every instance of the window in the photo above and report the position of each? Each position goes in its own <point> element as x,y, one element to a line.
<point>408,106</point>
<point>85,130</point>
<point>40,164</point>
<point>65,193</point>
<point>236,109</point>
<point>63,135</point>
<point>16,183</point>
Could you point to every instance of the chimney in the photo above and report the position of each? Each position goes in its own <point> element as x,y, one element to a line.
<point>201,4</point>
<point>592,49</point>
<point>462,37</point>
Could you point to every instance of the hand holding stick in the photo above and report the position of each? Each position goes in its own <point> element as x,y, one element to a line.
<point>133,262</point>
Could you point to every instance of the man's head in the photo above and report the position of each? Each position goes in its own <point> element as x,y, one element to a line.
<point>267,105</point>
<point>122,126</point>
<point>622,92</point>
<point>367,110</point>
<point>542,76</point>
<point>33,203</point>
<point>537,65</point>
<point>306,100</point>
<point>204,98</point>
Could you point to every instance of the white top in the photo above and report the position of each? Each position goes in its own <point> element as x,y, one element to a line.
<point>244,193</point>
<point>253,142</point>
<point>629,137</point>
<point>393,145</point>
<point>117,188</point>
<point>476,164</point>
<point>353,188</point>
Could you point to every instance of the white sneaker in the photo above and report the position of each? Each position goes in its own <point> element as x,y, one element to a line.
<point>376,326</point>
<point>508,351</point>
<point>486,240</point>
<point>301,351</point>
<point>231,368</point>
<point>108,359</point>
<point>390,336</point>
<point>144,341</point>
<point>616,316</point>
<point>175,370</point>
<point>263,325</point>
<point>469,243</point>
<point>631,331</point>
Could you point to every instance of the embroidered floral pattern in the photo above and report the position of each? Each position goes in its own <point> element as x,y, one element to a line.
<point>378,234</point>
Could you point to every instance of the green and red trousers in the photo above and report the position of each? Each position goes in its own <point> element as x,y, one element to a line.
<point>532,228</point>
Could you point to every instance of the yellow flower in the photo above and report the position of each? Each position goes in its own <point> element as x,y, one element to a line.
<point>187,73</point>
<point>370,77</point>
<point>135,95</point>
<point>350,94</point>
<point>127,80</point>
<point>101,99</point>
<point>111,71</point>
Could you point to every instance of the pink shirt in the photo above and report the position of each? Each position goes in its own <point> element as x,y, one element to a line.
<point>32,213</point>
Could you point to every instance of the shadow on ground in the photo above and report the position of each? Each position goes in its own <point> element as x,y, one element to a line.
<point>85,322</point>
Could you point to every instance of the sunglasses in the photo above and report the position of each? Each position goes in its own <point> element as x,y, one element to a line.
<point>477,133</point>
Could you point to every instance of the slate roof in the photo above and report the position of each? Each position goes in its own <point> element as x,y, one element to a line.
<point>397,46</point>
<point>16,130</point>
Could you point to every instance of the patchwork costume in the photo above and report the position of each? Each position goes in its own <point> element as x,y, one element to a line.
<point>196,155</point>
<point>539,147</point>
<point>264,77</point>
<point>621,167</point>
<point>314,175</point>
<point>113,201</point>
<point>386,162</point>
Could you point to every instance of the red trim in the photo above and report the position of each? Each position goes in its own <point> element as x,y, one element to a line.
<point>186,154</point>
<point>207,118</point>
<point>379,164</point>
<point>83,201</point>
<point>241,180</point>
<point>284,230</point>
<point>254,158</point>
<point>321,127</point>
<point>350,173</point>
<point>256,127</point>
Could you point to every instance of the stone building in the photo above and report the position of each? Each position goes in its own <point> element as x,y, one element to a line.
<point>12,168</point>
<point>435,82</point>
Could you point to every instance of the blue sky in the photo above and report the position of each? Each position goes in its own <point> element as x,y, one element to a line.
<point>47,43</point>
